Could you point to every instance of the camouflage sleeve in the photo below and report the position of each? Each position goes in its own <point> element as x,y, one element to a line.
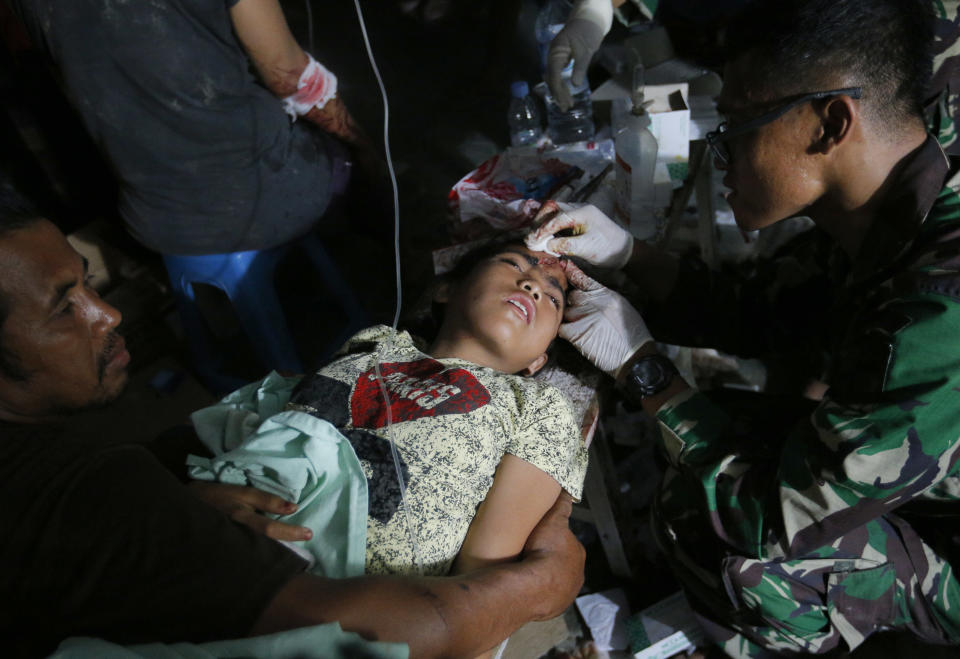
<point>943,96</point>
<point>886,434</point>
<point>754,309</point>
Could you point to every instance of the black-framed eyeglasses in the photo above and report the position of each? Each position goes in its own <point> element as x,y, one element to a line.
<point>717,139</point>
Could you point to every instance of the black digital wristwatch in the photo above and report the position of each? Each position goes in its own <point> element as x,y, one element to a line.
<point>647,376</point>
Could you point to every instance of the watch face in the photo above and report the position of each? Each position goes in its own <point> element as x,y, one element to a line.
<point>651,375</point>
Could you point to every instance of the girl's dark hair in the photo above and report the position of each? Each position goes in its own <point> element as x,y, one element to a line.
<point>466,263</point>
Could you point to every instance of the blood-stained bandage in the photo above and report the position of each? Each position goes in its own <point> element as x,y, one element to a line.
<point>317,86</point>
<point>539,243</point>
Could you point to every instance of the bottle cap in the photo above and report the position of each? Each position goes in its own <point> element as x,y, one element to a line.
<point>519,89</point>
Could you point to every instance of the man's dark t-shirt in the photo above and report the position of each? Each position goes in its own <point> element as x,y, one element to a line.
<point>207,160</point>
<point>103,541</point>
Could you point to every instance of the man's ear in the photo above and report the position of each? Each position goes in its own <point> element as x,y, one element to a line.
<point>533,367</point>
<point>838,115</point>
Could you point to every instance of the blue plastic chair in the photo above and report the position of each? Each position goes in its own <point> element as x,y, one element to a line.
<point>247,280</point>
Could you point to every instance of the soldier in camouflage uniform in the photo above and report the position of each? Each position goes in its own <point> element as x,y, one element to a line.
<point>808,534</point>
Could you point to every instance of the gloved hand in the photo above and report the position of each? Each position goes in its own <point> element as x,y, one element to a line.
<point>580,38</point>
<point>600,323</point>
<point>598,240</point>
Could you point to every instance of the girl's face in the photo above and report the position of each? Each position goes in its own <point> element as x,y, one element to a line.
<point>511,304</point>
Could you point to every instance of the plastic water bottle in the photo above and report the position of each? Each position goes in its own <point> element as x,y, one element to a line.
<point>523,117</point>
<point>574,124</point>
<point>636,159</point>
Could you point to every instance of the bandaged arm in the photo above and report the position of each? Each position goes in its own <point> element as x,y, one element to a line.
<point>306,87</point>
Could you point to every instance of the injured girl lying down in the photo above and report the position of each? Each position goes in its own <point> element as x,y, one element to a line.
<point>482,450</point>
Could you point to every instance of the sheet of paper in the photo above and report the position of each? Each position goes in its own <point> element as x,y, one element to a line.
<point>605,614</point>
<point>664,629</point>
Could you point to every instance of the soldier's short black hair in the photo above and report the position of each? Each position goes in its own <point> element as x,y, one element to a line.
<point>16,212</point>
<point>885,46</point>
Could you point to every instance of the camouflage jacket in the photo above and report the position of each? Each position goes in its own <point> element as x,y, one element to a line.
<point>887,326</point>
<point>943,97</point>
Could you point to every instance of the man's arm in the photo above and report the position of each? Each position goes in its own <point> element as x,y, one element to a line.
<point>652,270</point>
<point>757,308</point>
<point>652,404</point>
<point>444,616</point>
<point>750,309</point>
<point>265,35</point>
<point>879,439</point>
<point>279,59</point>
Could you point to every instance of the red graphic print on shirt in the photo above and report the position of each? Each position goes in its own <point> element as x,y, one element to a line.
<point>417,389</point>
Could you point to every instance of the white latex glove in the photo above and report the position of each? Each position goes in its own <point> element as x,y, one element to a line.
<point>580,38</point>
<point>600,323</point>
<point>597,240</point>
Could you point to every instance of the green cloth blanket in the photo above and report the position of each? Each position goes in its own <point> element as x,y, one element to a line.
<point>295,456</point>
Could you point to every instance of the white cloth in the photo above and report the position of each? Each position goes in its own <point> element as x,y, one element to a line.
<point>316,87</point>
<point>597,239</point>
<point>539,244</point>
<point>295,456</point>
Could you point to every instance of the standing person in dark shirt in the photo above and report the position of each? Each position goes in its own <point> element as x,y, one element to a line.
<point>107,543</point>
<point>207,159</point>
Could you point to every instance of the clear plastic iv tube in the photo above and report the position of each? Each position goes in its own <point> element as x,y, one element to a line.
<point>396,317</point>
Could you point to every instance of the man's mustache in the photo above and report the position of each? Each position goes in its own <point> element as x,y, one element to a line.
<point>109,351</point>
